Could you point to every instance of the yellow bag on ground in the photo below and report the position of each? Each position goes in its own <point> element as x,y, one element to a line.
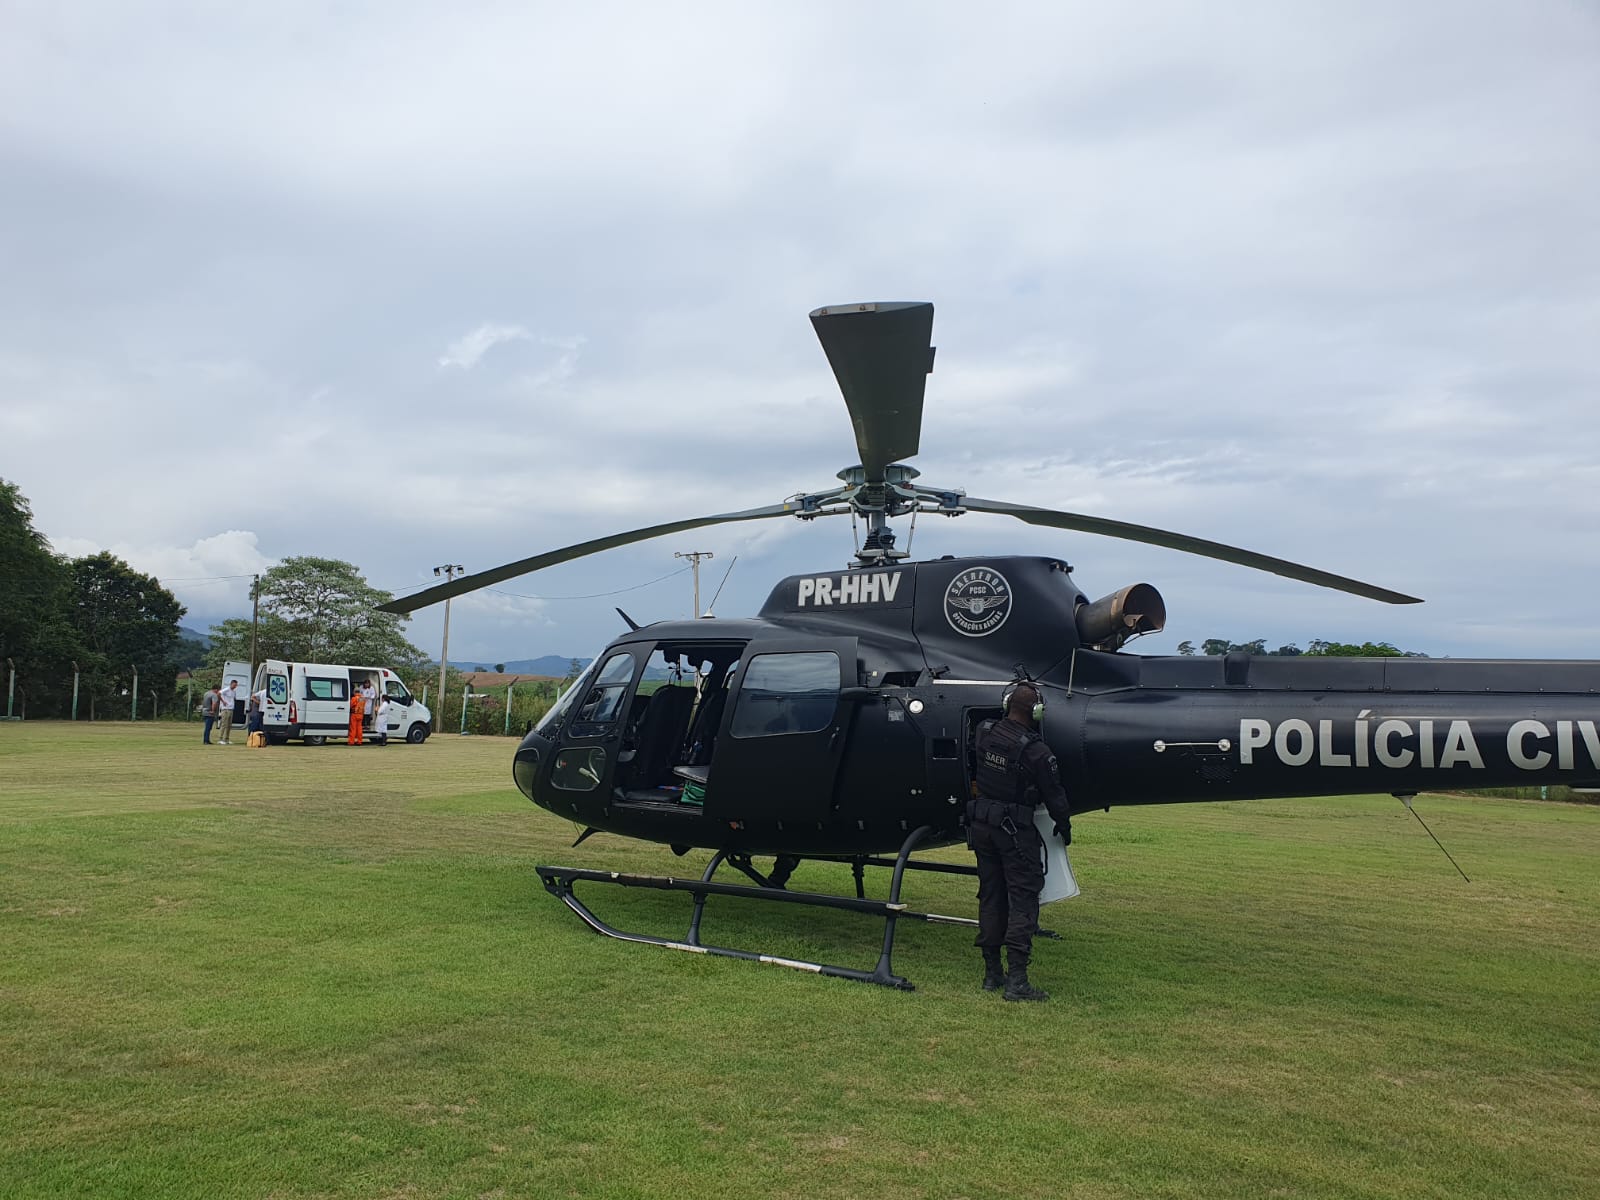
<point>257,740</point>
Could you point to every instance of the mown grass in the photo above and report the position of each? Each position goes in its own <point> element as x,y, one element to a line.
<point>331,972</point>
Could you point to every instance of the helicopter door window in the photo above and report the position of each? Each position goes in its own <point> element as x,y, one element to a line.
<point>603,702</point>
<point>787,693</point>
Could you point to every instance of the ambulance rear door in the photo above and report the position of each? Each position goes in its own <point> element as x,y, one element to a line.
<point>273,677</point>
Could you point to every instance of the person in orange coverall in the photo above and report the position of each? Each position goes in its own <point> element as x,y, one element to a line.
<point>356,710</point>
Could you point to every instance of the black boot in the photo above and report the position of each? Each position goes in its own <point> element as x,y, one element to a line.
<point>1017,985</point>
<point>994,975</point>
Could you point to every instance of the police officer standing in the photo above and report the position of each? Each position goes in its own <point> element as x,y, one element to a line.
<point>1016,771</point>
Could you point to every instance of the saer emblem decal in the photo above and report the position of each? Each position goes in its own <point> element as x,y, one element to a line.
<point>977,602</point>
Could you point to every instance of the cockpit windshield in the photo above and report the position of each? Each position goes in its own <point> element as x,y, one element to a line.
<point>549,723</point>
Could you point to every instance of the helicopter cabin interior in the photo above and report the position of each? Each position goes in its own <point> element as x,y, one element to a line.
<point>660,712</point>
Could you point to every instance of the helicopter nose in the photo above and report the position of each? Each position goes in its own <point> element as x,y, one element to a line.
<point>525,766</point>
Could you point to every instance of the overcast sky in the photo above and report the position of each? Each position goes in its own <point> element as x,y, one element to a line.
<point>407,284</point>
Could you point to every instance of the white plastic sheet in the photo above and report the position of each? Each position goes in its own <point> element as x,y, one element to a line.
<point>1059,882</point>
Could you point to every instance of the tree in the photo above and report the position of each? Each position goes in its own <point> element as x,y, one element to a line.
<point>318,610</point>
<point>499,668</point>
<point>1216,646</point>
<point>191,652</point>
<point>125,621</point>
<point>35,605</point>
<point>230,641</point>
<point>1186,648</point>
<point>1364,650</point>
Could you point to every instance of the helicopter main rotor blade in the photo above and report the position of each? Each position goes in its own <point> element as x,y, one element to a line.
<point>1190,545</point>
<point>881,356</point>
<point>483,579</point>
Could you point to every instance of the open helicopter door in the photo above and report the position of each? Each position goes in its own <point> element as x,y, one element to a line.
<point>784,731</point>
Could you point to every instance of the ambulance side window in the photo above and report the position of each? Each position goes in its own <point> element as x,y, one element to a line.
<point>396,691</point>
<point>327,689</point>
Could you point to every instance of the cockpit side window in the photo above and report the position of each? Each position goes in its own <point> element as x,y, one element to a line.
<point>787,693</point>
<point>603,702</point>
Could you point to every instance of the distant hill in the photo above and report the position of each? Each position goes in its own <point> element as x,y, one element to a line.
<point>551,664</point>
<point>194,635</point>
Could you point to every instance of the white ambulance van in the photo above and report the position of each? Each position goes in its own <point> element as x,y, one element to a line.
<point>311,702</point>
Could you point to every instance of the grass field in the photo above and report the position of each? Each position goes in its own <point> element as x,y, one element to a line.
<point>331,972</point>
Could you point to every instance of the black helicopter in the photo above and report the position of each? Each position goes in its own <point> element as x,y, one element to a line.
<point>838,723</point>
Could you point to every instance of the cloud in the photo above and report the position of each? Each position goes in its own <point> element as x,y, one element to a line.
<point>1314,282</point>
<point>210,576</point>
<point>467,350</point>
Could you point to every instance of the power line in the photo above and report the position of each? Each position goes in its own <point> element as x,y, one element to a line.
<point>592,595</point>
<point>207,578</point>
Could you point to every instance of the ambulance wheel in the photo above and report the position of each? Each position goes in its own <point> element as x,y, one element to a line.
<point>417,734</point>
<point>314,741</point>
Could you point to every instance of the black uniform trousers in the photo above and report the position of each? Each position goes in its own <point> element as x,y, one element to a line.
<point>1010,878</point>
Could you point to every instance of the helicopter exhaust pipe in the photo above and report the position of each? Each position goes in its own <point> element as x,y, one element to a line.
<point>1112,620</point>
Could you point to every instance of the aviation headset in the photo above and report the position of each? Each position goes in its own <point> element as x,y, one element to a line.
<point>1038,698</point>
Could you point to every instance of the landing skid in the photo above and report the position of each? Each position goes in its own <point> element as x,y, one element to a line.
<point>559,881</point>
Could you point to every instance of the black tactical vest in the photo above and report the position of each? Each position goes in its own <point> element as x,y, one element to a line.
<point>1000,773</point>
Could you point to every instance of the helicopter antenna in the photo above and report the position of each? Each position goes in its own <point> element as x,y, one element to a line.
<point>1406,798</point>
<point>720,586</point>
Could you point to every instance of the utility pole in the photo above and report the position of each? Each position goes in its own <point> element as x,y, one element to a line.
<point>449,571</point>
<point>255,619</point>
<point>694,557</point>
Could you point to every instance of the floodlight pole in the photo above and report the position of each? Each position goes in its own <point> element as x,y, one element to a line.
<point>694,557</point>
<point>449,572</point>
<point>74,689</point>
<point>11,688</point>
<point>135,715</point>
